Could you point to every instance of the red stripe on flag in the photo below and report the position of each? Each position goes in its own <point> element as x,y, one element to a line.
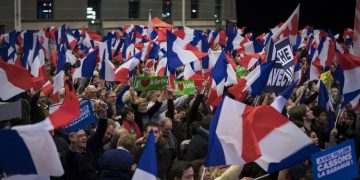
<point>348,61</point>
<point>194,50</point>
<point>18,76</point>
<point>122,75</point>
<point>68,110</point>
<point>255,128</point>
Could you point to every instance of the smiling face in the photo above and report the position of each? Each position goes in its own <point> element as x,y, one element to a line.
<point>78,139</point>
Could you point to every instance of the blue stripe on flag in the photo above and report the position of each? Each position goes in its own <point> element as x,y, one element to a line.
<point>15,158</point>
<point>89,64</point>
<point>148,161</point>
<point>215,154</point>
<point>298,156</point>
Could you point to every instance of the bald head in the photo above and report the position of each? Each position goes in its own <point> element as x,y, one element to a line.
<point>90,92</point>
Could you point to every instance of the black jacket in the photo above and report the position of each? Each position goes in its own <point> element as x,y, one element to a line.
<point>84,165</point>
<point>142,118</point>
<point>198,146</point>
<point>163,157</point>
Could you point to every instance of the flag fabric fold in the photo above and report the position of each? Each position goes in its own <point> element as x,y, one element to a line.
<point>147,168</point>
<point>248,135</point>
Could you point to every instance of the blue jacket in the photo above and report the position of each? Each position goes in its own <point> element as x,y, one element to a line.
<point>116,164</point>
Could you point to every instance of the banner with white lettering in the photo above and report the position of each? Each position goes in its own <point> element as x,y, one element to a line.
<point>86,117</point>
<point>338,162</point>
<point>282,72</point>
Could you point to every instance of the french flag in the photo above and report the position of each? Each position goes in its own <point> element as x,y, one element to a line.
<point>315,66</point>
<point>38,59</point>
<point>185,33</point>
<point>235,40</point>
<point>254,82</point>
<point>68,111</point>
<point>324,99</point>
<point>157,36</point>
<point>29,152</point>
<point>326,51</point>
<point>356,42</point>
<point>58,84</point>
<point>351,69</point>
<point>71,41</point>
<point>289,28</point>
<point>220,38</point>
<point>47,88</point>
<point>180,53</point>
<point>161,67</point>
<point>281,100</point>
<point>251,47</point>
<point>147,168</point>
<point>128,48</point>
<point>44,35</point>
<point>222,75</point>
<point>192,71</point>
<point>107,70</point>
<point>249,60</point>
<point>14,80</point>
<point>248,135</point>
<point>87,66</point>
<point>86,39</point>
<point>123,71</point>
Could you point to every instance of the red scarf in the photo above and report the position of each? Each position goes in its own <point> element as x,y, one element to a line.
<point>128,126</point>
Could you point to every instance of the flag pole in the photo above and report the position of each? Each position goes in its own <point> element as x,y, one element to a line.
<point>337,117</point>
<point>4,174</point>
<point>256,100</point>
<point>203,173</point>
<point>263,176</point>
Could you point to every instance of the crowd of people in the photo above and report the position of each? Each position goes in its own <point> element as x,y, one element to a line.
<point>110,147</point>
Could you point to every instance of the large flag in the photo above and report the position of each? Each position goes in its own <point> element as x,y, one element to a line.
<point>14,80</point>
<point>351,86</point>
<point>248,135</point>
<point>356,42</point>
<point>87,66</point>
<point>222,75</point>
<point>147,168</point>
<point>326,51</point>
<point>179,52</point>
<point>123,71</point>
<point>29,152</point>
<point>289,28</point>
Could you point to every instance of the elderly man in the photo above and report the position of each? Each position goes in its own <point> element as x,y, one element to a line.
<point>81,161</point>
<point>90,92</point>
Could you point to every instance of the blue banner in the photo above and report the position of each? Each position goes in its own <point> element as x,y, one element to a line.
<point>281,75</point>
<point>338,162</point>
<point>86,117</point>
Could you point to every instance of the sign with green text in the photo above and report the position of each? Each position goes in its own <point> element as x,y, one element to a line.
<point>183,87</point>
<point>148,83</point>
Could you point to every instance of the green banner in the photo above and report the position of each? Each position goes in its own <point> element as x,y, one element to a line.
<point>240,71</point>
<point>148,83</point>
<point>183,87</point>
